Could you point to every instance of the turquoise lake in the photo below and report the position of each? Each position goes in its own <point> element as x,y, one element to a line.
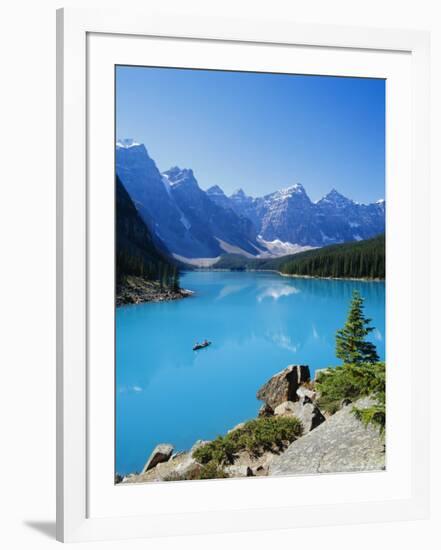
<point>259,324</point>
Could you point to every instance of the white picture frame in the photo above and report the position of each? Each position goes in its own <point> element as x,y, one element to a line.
<point>77,519</point>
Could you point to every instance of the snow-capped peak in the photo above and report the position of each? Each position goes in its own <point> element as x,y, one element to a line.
<point>285,194</point>
<point>127,143</point>
<point>296,188</point>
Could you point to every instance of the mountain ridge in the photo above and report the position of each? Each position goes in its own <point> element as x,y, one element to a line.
<point>194,223</point>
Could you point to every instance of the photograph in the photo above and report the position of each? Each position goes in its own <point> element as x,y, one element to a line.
<point>250,268</point>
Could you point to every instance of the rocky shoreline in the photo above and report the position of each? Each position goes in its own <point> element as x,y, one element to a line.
<point>136,290</point>
<point>323,442</point>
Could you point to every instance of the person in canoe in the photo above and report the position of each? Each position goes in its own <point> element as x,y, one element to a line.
<point>204,344</point>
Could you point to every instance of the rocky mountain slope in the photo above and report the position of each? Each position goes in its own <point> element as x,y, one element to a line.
<point>290,216</point>
<point>193,223</point>
<point>177,211</point>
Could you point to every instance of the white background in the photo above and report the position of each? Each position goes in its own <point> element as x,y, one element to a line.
<point>27,229</point>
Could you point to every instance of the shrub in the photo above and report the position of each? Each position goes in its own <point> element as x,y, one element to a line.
<point>353,382</point>
<point>256,436</point>
<point>373,415</point>
<point>210,470</point>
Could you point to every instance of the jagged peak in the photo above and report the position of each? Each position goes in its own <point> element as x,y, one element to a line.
<point>287,192</point>
<point>296,188</point>
<point>239,193</point>
<point>180,176</point>
<point>334,193</point>
<point>215,190</point>
<point>335,197</point>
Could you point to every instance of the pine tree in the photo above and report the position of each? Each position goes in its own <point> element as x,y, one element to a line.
<point>175,279</point>
<point>351,345</point>
<point>165,277</point>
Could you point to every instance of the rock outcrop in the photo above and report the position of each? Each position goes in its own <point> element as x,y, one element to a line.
<point>306,394</point>
<point>161,453</point>
<point>247,465</point>
<point>284,385</point>
<point>135,290</point>
<point>338,443</point>
<point>178,466</point>
<point>341,444</point>
<point>307,412</point>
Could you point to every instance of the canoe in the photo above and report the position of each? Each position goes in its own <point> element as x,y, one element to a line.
<point>201,346</point>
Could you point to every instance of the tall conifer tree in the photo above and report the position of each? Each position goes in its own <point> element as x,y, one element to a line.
<point>351,344</point>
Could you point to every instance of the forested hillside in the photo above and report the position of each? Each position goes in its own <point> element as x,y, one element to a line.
<point>136,253</point>
<point>360,259</point>
<point>364,259</point>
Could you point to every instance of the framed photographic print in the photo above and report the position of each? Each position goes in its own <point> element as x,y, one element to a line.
<point>242,290</point>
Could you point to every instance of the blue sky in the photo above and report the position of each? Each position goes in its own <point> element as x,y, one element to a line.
<point>259,131</point>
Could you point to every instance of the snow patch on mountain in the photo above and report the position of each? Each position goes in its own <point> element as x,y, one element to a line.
<point>177,176</point>
<point>232,249</point>
<point>279,248</point>
<point>127,143</point>
<point>197,262</point>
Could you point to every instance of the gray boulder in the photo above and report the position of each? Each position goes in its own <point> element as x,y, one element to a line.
<point>307,412</point>
<point>247,465</point>
<point>305,394</point>
<point>283,385</point>
<point>239,470</point>
<point>161,453</point>
<point>341,444</point>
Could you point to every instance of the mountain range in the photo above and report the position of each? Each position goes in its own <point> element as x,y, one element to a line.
<point>194,224</point>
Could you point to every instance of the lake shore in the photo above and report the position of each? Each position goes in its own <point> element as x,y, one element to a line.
<point>137,290</point>
<point>290,436</point>
<point>258,322</point>
<point>295,276</point>
<point>362,279</point>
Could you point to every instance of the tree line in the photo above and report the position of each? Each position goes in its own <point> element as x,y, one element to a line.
<point>360,259</point>
<point>364,259</point>
<point>131,264</point>
<point>136,252</point>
